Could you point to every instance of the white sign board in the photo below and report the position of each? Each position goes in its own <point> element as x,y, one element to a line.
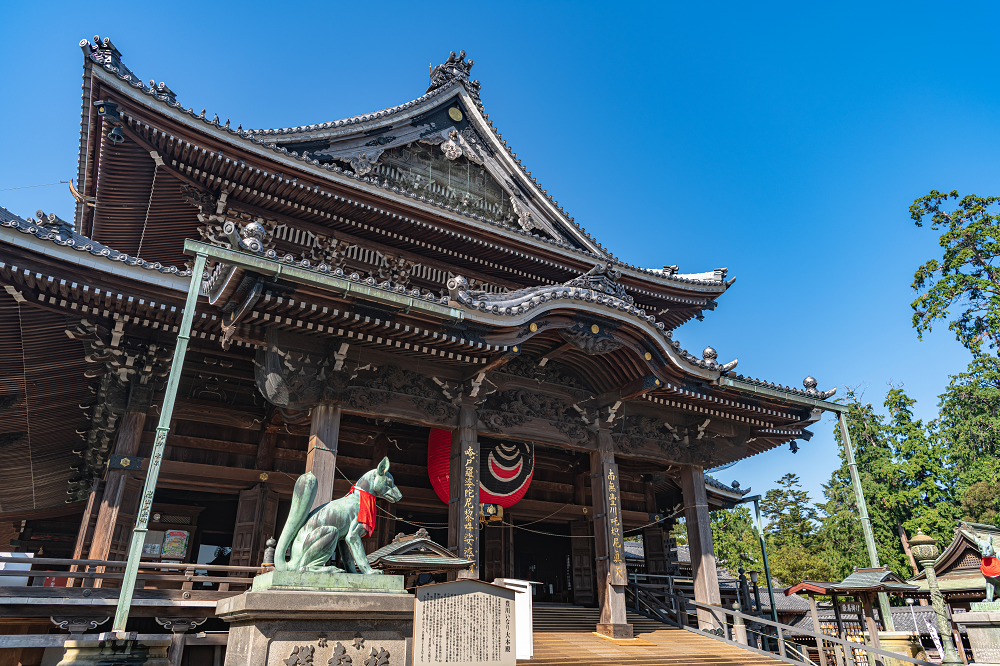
<point>464,623</point>
<point>522,613</point>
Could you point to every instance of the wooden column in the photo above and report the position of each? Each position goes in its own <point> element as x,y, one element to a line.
<point>463,495</point>
<point>321,458</point>
<point>699,528</point>
<point>88,524</point>
<point>817,628</point>
<point>385,522</point>
<point>122,491</point>
<point>609,539</point>
<point>654,549</point>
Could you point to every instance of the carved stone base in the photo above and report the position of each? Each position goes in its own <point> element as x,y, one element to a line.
<point>91,653</point>
<point>309,581</point>
<point>984,634</point>
<point>615,630</point>
<point>291,628</point>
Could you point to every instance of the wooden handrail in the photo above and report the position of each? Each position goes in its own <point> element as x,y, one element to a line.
<point>121,563</point>
<point>779,627</point>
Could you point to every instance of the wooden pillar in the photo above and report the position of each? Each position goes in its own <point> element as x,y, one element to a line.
<point>321,458</point>
<point>88,524</point>
<point>463,494</point>
<point>385,522</point>
<point>699,528</point>
<point>654,549</point>
<point>814,613</point>
<point>122,492</point>
<point>609,539</point>
<point>866,604</point>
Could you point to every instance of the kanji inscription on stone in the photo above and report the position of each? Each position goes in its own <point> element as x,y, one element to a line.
<point>464,622</point>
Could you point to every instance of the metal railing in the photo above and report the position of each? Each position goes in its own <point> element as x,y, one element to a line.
<point>88,572</point>
<point>757,633</point>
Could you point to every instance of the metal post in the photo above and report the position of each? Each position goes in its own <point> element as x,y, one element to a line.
<point>866,522</point>
<point>763,551</point>
<point>153,472</point>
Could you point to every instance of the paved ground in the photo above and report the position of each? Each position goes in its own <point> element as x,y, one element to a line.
<point>564,635</point>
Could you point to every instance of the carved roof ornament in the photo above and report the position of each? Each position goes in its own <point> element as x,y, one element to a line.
<point>813,392</point>
<point>455,68</point>
<point>710,357</point>
<point>450,148</point>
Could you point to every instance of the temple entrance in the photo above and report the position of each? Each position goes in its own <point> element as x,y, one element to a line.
<point>546,559</point>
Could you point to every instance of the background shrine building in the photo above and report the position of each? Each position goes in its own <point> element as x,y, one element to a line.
<point>394,283</point>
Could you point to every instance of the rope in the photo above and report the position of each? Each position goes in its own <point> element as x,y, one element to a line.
<point>25,187</point>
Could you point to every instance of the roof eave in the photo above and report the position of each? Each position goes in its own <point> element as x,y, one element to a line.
<point>254,144</point>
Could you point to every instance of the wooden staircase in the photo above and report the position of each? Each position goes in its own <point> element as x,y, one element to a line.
<point>565,635</point>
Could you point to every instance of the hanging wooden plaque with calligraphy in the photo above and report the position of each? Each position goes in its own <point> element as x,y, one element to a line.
<point>616,536</point>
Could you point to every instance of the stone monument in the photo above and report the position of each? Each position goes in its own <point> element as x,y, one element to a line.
<point>310,611</point>
<point>465,623</point>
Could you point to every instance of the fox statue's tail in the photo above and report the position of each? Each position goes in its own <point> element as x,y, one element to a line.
<point>302,500</point>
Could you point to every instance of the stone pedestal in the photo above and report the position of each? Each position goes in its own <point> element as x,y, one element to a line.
<point>91,653</point>
<point>983,625</point>
<point>900,642</point>
<point>296,619</point>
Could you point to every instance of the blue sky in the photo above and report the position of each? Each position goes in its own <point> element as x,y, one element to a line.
<point>784,141</point>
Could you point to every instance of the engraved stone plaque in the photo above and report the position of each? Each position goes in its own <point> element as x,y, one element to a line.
<point>462,623</point>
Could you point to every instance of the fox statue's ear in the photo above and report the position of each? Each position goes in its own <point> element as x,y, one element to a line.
<point>383,466</point>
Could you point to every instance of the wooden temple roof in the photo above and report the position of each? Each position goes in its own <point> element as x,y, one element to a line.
<point>539,321</point>
<point>263,177</point>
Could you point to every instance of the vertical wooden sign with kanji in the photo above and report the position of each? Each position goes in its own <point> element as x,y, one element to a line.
<point>468,546</point>
<point>616,536</point>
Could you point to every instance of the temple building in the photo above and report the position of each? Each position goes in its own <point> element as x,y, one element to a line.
<point>391,284</point>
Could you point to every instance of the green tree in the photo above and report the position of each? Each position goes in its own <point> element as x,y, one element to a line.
<point>969,415</point>
<point>906,478</point>
<point>965,278</point>
<point>792,563</point>
<point>679,531</point>
<point>735,540</point>
<point>791,516</point>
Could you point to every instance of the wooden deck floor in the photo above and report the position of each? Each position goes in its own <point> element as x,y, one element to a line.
<point>564,635</point>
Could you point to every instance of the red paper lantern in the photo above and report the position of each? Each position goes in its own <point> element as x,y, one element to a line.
<point>505,470</point>
<point>439,461</point>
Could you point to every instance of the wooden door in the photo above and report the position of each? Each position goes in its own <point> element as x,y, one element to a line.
<point>494,552</point>
<point>654,551</point>
<point>256,515</point>
<point>583,563</point>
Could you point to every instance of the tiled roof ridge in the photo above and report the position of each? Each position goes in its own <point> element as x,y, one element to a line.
<point>106,55</point>
<point>711,480</point>
<point>809,391</point>
<point>54,229</point>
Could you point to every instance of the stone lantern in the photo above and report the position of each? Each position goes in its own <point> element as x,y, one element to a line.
<point>925,551</point>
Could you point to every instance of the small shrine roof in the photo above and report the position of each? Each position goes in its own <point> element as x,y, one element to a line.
<point>861,581</point>
<point>416,553</point>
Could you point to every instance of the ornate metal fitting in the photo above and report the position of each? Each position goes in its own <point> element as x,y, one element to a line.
<point>810,384</point>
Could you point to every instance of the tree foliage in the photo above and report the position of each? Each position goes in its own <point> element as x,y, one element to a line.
<point>735,540</point>
<point>966,277</point>
<point>791,517</point>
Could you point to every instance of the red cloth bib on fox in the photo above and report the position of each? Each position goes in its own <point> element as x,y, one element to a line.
<point>990,567</point>
<point>366,514</point>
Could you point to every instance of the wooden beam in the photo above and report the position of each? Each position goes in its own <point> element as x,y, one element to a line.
<point>54,512</point>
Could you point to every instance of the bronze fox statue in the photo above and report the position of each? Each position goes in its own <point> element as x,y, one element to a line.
<point>314,536</point>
